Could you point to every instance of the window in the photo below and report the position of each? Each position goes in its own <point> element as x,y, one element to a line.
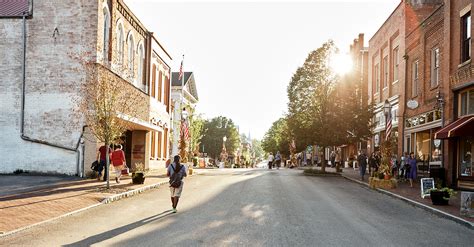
<point>165,149</point>
<point>465,156</point>
<point>414,76</point>
<point>377,78</point>
<point>120,42</point>
<point>434,67</point>
<point>466,37</point>
<point>141,61</point>
<point>159,144</point>
<point>131,56</point>
<point>105,51</point>
<point>160,86</point>
<point>153,80</point>
<point>396,63</point>
<point>385,71</point>
<point>167,94</point>
<point>466,103</point>
<point>152,144</point>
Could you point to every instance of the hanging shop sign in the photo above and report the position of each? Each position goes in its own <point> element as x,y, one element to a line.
<point>412,104</point>
<point>437,142</point>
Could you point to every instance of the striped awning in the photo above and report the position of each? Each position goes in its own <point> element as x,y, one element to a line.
<point>13,8</point>
<point>462,127</point>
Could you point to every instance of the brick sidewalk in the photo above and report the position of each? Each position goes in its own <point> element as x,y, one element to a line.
<point>403,189</point>
<point>24,209</point>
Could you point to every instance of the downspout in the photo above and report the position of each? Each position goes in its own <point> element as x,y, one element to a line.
<point>23,96</point>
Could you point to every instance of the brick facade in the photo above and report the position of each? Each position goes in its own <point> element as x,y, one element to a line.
<point>55,34</point>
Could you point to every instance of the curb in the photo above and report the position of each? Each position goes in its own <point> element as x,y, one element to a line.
<point>419,205</point>
<point>106,200</point>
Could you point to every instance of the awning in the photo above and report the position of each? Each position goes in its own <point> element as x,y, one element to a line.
<point>461,127</point>
<point>138,124</point>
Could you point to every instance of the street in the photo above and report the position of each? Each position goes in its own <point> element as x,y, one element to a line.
<point>252,207</point>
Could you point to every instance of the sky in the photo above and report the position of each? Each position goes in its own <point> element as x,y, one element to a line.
<point>244,53</point>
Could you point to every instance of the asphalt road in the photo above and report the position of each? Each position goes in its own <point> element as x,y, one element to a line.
<point>253,208</point>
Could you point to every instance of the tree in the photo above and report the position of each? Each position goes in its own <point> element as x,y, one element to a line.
<point>196,128</point>
<point>277,138</point>
<point>109,105</point>
<point>214,130</point>
<point>319,110</point>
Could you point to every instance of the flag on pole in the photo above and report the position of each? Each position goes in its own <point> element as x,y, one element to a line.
<point>184,130</point>
<point>180,76</point>
<point>388,126</point>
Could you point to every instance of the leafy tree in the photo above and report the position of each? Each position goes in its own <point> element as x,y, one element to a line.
<point>277,138</point>
<point>321,110</point>
<point>256,149</point>
<point>214,130</point>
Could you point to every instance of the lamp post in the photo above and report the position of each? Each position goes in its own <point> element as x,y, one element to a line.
<point>182,138</point>
<point>387,110</point>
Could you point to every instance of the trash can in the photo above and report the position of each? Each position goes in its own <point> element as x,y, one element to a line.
<point>439,175</point>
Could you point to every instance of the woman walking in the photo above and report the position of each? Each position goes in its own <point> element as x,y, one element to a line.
<point>412,164</point>
<point>118,161</point>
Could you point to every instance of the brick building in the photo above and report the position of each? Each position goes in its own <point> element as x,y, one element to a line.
<point>387,67</point>
<point>457,93</point>
<point>39,128</point>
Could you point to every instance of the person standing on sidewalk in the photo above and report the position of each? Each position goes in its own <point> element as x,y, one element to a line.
<point>412,173</point>
<point>176,173</point>
<point>118,161</point>
<point>362,160</point>
<point>102,160</point>
<point>270,160</point>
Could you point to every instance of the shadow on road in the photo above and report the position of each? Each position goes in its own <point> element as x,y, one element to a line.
<point>117,231</point>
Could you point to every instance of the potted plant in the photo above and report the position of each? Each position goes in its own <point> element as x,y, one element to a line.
<point>139,173</point>
<point>441,196</point>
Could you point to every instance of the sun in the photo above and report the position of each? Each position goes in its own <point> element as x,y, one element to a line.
<point>341,63</point>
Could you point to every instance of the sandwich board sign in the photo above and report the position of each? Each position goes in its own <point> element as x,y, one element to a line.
<point>426,184</point>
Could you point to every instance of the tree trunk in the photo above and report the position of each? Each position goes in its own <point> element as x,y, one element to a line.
<point>323,161</point>
<point>107,163</point>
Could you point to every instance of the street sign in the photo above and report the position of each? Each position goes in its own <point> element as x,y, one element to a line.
<point>426,184</point>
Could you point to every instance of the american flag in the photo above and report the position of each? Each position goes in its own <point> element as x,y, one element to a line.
<point>180,76</point>
<point>388,126</point>
<point>184,130</point>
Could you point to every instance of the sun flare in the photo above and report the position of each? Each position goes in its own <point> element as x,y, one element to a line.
<point>341,63</point>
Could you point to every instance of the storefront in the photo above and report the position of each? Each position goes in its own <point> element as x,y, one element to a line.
<point>460,135</point>
<point>420,139</point>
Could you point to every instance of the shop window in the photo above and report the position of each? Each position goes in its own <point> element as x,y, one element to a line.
<point>465,155</point>
<point>466,37</point>
<point>434,67</point>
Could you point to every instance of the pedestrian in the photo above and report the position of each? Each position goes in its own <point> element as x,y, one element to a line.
<point>118,162</point>
<point>362,160</point>
<point>176,173</point>
<point>333,159</point>
<point>101,159</point>
<point>270,160</point>
<point>412,173</point>
<point>372,164</point>
<point>337,159</point>
<point>278,160</point>
<point>394,164</point>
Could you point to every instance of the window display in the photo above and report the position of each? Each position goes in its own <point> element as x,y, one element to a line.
<point>465,155</point>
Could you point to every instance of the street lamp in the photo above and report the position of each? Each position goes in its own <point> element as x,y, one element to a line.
<point>387,110</point>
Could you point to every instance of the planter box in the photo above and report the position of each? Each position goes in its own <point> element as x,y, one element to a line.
<point>375,183</point>
<point>437,197</point>
<point>138,178</point>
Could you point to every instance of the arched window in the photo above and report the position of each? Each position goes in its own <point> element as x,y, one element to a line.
<point>105,51</point>
<point>141,58</point>
<point>120,42</point>
<point>131,55</point>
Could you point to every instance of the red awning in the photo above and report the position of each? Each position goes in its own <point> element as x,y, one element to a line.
<point>461,127</point>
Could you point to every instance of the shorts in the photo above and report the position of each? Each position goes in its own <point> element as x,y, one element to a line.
<point>176,192</point>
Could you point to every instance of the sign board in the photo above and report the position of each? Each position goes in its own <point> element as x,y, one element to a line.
<point>467,204</point>
<point>426,184</point>
<point>412,104</point>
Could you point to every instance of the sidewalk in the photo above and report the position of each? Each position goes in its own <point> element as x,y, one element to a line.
<point>35,203</point>
<point>405,192</point>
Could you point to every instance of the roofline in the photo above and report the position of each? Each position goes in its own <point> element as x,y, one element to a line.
<point>383,24</point>
<point>426,19</point>
<point>133,15</point>
<point>153,36</point>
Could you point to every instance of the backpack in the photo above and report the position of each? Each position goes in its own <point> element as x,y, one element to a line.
<point>175,179</point>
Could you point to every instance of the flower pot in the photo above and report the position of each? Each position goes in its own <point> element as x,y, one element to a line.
<point>438,197</point>
<point>386,176</point>
<point>138,178</point>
